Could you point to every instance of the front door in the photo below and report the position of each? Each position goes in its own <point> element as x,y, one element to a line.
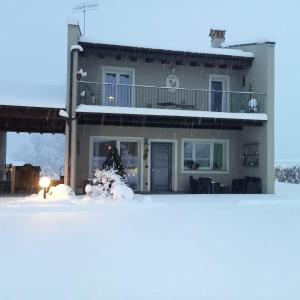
<point>161,167</point>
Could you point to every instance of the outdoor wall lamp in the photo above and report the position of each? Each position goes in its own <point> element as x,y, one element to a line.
<point>44,184</point>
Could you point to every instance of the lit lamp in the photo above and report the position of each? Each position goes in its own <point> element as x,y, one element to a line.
<point>44,184</point>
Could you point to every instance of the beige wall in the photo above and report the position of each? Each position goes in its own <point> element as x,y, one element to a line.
<point>177,134</point>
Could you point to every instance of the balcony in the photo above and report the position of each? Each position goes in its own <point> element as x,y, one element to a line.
<point>138,96</point>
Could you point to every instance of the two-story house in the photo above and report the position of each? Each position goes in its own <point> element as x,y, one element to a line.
<point>171,113</point>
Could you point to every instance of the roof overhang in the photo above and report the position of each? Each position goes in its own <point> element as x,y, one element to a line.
<point>214,54</point>
<point>31,119</point>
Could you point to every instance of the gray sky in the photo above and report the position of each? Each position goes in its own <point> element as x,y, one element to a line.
<point>33,40</point>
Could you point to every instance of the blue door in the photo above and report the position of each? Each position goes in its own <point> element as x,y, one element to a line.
<point>161,167</point>
<point>216,95</point>
<point>117,89</point>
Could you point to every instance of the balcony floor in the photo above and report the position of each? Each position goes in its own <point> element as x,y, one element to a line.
<point>149,117</point>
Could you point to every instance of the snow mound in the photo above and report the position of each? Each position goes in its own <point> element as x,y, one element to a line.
<point>59,192</point>
<point>121,193</point>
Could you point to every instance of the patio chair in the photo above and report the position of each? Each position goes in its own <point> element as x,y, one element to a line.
<point>205,185</point>
<point>252,106</point>
<point>238,186</point>
<point>253,185</point>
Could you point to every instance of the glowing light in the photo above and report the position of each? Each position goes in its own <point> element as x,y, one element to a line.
<point>111,98</point>
<point>44,182</point>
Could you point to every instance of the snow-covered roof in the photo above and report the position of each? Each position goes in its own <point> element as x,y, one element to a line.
<point>73,22</point>
<point>259,41</point>
<point>32,95</point>
<point>82,108</point>
<point>198,51</point>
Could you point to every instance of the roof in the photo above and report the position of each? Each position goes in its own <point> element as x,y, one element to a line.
<point>209,52</point>
<point>32,95</point>
<point>250,43</point>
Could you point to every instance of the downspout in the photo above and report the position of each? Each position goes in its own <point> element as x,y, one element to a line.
<point>73,49</point>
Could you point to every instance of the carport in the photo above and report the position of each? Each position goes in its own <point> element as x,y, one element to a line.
<point>28,108</point>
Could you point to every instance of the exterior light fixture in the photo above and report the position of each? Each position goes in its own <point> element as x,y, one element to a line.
<point>44,184</point>
<point>111,98</point>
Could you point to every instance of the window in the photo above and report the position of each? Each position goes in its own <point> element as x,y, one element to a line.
<point>205,155</point>
<point>128,149</point>
<point>117,86</point>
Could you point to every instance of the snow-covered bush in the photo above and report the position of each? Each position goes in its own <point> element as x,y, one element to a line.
<point>288,174</point>
<point>107,184</point>
<point>122,192</point>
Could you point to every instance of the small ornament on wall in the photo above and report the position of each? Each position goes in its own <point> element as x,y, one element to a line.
<point>172,82</point>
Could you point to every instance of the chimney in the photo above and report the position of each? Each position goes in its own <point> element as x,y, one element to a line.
<point>217,38</point>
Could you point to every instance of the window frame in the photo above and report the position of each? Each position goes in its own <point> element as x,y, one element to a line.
<point>118,71</point>
<point>225,79</point>
<point>118,140</point>
<point>209,169</point>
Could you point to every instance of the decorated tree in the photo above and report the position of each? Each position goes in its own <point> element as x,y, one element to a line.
<point>110,181</point>
<point>113,162</point>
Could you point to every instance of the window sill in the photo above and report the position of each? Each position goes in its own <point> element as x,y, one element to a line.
<point>204,172</point>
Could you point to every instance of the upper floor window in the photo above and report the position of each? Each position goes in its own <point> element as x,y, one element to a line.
<point>205,155</point>
<point>117,83</point>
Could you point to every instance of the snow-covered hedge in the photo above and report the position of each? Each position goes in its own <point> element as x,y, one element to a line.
<point>288,174</point>
<point>107,184</point>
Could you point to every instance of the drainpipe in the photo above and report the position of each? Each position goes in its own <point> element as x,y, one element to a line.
<point>73,49</point>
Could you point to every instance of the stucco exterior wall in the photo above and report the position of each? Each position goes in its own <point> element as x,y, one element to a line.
<point>262,74</point>
<point>177,134</point>
<point>155,73</point>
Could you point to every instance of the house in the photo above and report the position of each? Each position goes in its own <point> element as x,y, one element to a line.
<point>171,114</point>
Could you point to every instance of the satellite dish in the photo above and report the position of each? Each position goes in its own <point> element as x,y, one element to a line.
<point>84,7</point>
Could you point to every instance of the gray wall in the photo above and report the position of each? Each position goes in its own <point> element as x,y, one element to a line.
<point>70,168</point>
<point>262,73</point>
<point>155,73</point>
<point>234,137</point>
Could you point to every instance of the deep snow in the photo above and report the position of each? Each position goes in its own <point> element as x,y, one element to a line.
<point>155,247</point>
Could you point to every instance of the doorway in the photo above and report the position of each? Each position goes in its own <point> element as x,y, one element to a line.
<point>161,166</point>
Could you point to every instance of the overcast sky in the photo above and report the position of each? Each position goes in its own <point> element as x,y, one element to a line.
<point>33,40</point>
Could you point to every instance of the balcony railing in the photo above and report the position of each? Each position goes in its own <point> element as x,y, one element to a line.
<point>92,93</point>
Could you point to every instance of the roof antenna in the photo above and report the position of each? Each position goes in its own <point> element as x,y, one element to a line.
<point>84,7</point>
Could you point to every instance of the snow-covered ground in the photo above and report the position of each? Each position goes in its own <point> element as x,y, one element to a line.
<point>156,247</point>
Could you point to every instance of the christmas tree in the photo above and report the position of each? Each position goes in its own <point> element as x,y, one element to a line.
<point>113,162</point>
